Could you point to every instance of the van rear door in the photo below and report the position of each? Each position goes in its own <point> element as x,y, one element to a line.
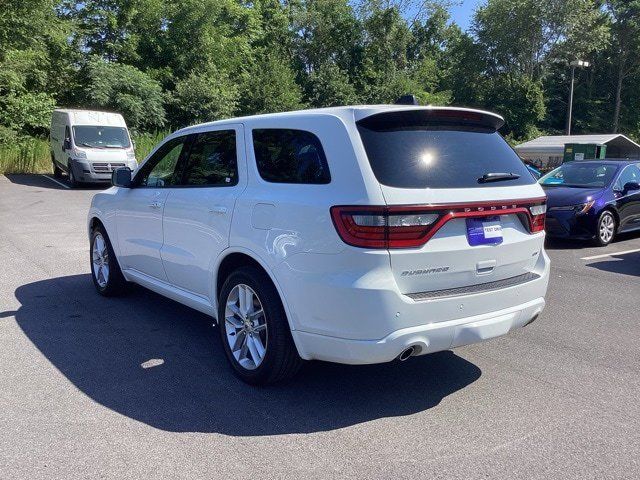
<point>461,207</point>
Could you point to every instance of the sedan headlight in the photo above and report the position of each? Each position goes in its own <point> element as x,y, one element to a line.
<point>579,209</point>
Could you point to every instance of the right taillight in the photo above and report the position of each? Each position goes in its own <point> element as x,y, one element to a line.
<point>411,226</point>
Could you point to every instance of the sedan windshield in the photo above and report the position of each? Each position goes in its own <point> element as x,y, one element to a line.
<point>580,176</point>
<point>100,137</point>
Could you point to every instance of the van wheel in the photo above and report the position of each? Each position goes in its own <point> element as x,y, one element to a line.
<point>606,229</point>
<point>254,330</point>
<point>72,178</point>
<point>105,271</point>
<point>57,171</point>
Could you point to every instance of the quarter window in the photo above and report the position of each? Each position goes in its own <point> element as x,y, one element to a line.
<point>162,169</point>
<point>212,160</point>
<point>290,156</point>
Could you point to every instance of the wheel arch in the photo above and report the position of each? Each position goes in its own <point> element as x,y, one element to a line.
<point>231,259</point>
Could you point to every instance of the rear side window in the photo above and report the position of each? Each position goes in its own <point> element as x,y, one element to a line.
<point>212,160</point>
<point>290,156</point>
<point>412,150</point>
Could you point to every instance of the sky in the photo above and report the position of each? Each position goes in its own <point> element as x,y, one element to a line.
<point>462,14</point>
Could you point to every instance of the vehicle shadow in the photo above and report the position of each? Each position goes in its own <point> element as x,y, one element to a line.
<point>161,363</point>
<point>38,180</point>
<point>626,264</point>
<point>553,243</point>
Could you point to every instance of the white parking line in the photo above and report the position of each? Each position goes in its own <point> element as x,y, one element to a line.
<point>610,254</point>
<point>56,181</point>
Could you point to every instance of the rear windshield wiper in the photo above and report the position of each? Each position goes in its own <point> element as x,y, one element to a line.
<point>497,177</point>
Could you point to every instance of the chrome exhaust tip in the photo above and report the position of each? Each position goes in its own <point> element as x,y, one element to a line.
<point>406,353</point>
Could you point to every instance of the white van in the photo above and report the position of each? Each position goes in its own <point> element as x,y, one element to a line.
<point>89,145</point>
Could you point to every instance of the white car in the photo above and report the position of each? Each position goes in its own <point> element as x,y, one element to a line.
<point>354,234</point>
<point>88,145</point>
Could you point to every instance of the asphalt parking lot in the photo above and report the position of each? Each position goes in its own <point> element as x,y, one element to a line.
<point>137,387</point>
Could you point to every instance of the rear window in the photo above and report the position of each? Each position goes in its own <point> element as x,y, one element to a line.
<point>290,156</point>
<point>414,150</point>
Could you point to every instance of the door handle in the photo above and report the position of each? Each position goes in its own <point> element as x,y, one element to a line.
<point>218,210</point>
<point>155,204</point>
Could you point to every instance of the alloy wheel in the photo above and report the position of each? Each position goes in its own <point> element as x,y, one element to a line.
<point>607,227</point>
<point>246,327</point>
<point>100,259</point>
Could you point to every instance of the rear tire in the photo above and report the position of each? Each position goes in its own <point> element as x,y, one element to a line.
<point>57,171</point>
<point>72,178</point>
<point>105,271</point>
<point>606,230</point>
<point>254,330</point>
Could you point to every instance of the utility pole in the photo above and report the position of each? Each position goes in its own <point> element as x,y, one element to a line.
<point>573,65</point>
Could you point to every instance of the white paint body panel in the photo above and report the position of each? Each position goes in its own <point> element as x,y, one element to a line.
<point>343,303</point>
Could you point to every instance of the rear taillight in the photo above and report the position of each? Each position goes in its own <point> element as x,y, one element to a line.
<point>410,226</point>
<point>538,213</point>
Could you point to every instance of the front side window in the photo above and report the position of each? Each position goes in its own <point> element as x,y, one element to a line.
<point>212,160</point>
<point>580,175</point>
<point>100,137</point>
<point>290,156</point>
<point>162,169</point>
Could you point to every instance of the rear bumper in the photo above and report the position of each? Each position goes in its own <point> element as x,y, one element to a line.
<point>357,315</point>
<point>429,338</point>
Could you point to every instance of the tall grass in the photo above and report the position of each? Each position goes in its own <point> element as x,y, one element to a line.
<point>26,155</point>
<point>32,155</point>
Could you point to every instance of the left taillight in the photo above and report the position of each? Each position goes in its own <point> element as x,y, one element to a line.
<point>383,227</point>
<point>538,214</point>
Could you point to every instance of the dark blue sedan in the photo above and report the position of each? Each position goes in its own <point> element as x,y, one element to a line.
<point>593,200</point>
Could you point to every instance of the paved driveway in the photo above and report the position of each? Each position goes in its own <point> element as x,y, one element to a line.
<point>137,387</point>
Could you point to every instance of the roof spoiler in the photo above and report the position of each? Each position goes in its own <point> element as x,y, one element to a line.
<point>436,116</point>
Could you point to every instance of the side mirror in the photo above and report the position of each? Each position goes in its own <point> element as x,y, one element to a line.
<point>631,186</point>
<point>66,145</point>
<point>121,177</point>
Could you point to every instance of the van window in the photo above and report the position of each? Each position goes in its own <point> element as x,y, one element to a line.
<point>100,137</point>
<point>163,167</point>
<point>290,156</point>
<point>213,160</point>
<point>412,150</point>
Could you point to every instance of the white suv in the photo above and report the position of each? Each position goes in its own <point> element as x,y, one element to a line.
<point>353,234</point>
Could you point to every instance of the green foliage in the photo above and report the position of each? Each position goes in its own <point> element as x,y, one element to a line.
<point>169,63</point>
<point>270,86</point>
<point>204,97</point>
<point>125,89</point>
<point>329,86</point>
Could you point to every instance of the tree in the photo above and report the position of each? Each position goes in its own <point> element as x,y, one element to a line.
<point>329,86</point>
<point>270,86</point>
<point>203,97</point>
<point>125,89</point>
<point>625,15</point>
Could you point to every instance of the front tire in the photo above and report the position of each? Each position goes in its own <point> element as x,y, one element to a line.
<point>105,271</point>
<point>606,229</point>
<point>254,329</point>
